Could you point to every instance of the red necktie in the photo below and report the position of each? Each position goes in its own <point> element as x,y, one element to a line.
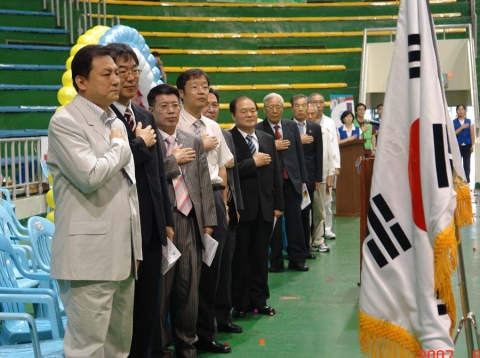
<point>130,119</point>
<point>278,135</point>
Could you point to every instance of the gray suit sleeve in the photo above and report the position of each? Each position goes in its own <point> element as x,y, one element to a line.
<point>77,161</point>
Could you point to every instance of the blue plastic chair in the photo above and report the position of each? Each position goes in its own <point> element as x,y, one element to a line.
<point>41,234</point>
<point>40,348</point>
<point>8,198</point>
<point>18,332</point>
<point>18,231</point>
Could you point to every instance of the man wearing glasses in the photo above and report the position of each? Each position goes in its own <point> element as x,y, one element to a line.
<point>193,86</point>
<point>155,211</point>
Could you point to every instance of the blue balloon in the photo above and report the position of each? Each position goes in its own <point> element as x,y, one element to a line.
<point>155,72</point>
<point>145,51</point>
<point>151,61</point>
<point>140,43</point>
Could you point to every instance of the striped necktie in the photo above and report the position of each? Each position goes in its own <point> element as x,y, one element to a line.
<point>250,144</point>
<point>130,119</point>
<point>184,204</point>
<point>197,124</point>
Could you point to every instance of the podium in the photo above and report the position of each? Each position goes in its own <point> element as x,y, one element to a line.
<point>348,183</point>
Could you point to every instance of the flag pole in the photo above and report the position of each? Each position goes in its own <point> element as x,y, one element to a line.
<point>468,318</point>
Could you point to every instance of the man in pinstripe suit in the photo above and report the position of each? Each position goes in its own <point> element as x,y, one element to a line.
<point>185,160</point>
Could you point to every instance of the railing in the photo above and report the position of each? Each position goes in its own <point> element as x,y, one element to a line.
<point>20,167</point>
<point>86,16</point>
<point>472,56</point>
<point>474,26</point>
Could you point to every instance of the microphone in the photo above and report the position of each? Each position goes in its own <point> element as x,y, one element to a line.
<point>373,121</point>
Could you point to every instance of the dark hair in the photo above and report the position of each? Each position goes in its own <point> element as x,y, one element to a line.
<point>460,105</point>
<point>233,104</point>
<point>82,61</point>
<point>360,105</point>
<point>344,114</point>
<point>119,50</point>
<point>156,54</point>
<point>161,89</point>
<point>297,96</point>
<point>379,105</point>
<point>215,93</point>
<point>189,74</point>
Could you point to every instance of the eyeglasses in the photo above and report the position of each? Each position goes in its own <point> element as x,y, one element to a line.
<point>298,105</point>
<point>125,74</point>
<point>196,89</point>
<point>175,106</point>
<point>213,105</point>
<point>272,107</point>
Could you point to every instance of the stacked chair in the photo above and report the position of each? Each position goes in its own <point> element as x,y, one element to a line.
<point>25,279</point>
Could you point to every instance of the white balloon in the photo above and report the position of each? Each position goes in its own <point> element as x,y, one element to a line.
<point>141,59</point>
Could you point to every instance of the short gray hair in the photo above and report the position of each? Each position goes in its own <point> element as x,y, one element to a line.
<point>314,94</point>
<point>314,107</point>
<point>296,97</point>
<point>272,95</point>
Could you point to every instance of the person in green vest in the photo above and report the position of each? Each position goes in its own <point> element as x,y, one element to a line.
<point>368,132</point>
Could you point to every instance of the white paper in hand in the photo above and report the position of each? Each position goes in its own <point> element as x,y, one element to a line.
<point>305,197</point>
<point>170,255</point>
<point>209,249</point>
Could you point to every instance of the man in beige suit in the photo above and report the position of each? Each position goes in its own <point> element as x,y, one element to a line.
<point>97,241</point>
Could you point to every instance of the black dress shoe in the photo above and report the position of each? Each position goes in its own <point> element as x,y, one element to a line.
<point>276,269</point>
<point>311,256</point>
<point>238,313</point>
<point>264,309</point>
<point>212,347</point>
<point>229,328</point>
<point>297,266</point>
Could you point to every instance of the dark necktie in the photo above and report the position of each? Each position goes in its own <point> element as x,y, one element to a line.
<point>130,119</point>
<point>250,144</point>
<point>278,135</point>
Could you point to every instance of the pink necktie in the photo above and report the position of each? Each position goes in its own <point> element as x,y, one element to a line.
<point>184,204</point>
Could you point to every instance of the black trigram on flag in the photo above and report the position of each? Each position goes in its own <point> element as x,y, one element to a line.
<point>440,160</point>
<point>414,55</point>
<point>385,233</point>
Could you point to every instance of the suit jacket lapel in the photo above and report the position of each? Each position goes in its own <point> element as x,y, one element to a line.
<point>267,127</point>
<point>91,119</point>
<point>120,116</point>
<point>242,144</point>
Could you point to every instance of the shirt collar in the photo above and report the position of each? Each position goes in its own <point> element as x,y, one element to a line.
<point>106,117</point>
<point>191,119</point>
<point>245,134</point>
<point>166,135</point>
<point>273,124</point>
<point>121,108</point>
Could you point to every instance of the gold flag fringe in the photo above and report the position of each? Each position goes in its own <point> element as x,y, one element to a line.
<point>445,263</point>
<point>463,211</point>
<point>381,339</point>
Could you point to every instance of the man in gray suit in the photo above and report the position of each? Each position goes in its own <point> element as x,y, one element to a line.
<point>191,194</point>
<point>97,243</point>
<point>223,300</point>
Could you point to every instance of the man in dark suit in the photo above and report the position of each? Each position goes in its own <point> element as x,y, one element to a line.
<point>294,173</point>
<point>261,184</point>
<point>155,211</point>
<point>311,135</point>
<point>191,193</point>
<point>223,300</point>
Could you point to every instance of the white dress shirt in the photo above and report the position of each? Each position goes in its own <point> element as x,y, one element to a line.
<point>329,125</point>
<point>254,139</point>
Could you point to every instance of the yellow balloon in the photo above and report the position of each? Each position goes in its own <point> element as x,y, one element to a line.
<point>50,177</point>
<point>67,78</point>
<point>51,216</point>
<point>58,109</point>
<point>68,64</point>
<point>87,39</point>
<point>66,94</point>
<point>49,198</point>
<point>75,49</point>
